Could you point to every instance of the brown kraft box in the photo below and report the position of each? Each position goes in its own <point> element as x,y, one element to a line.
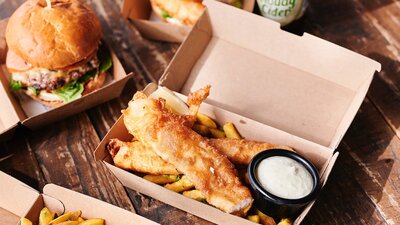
<point>277,87</point>
<point>32,114</point>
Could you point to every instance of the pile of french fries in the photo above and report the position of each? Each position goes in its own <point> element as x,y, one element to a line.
<point>207,127</point>
<point>47,217</point>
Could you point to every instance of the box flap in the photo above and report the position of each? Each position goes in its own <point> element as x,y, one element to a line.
<point>118,130</point>
<point>303,85</point>
<point>10,114</point>
<point>161,31</point>
<point>16,197</point>
<point>7,217</point>
<point>76,201</point>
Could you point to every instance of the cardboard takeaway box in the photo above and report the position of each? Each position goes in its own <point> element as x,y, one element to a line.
<point>152,27</point>
<point>19,200</point>
<point>22,109</point>
<point>274,86</point>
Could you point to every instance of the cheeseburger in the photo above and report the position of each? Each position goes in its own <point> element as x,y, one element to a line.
<point>53,51</point>
<point>183,12</point>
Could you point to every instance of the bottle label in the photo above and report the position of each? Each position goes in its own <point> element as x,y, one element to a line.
<point>283,11</point>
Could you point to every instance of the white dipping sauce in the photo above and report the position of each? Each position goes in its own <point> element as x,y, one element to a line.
<point>284,177</point>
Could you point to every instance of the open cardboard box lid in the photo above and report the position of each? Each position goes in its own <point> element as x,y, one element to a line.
<point>303,85</point>
<point>19,200</point>
<point>140,12</point>
<point>12,113</point>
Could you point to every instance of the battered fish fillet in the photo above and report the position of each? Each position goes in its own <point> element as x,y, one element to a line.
<point>134,156</point>
<point>241,151</point>
<point>137,157</point>
<point>194,101</point>
<point>166,133</point>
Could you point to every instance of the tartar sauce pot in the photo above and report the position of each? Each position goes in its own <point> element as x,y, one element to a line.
<point>272,205</point>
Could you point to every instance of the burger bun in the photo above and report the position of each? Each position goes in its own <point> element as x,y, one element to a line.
<point>56,37</point>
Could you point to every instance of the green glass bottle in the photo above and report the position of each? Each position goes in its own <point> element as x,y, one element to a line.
<point>282,11</point>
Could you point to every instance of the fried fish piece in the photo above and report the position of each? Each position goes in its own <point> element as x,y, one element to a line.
<point>138,157</point>
<point>169,136</point>
<point>134,156</point>
<point>241,151</point>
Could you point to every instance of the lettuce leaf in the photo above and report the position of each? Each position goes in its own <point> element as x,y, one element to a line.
<point>70,92</point>
<point>165,15</point>
<point>15,85</point>
<point>74,89</point>
<point>105,59</point>
<point>33,90</point>
<point>105,64</point>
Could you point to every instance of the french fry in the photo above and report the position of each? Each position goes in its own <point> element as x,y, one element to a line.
<point>95,221</point>
<point>69,223</point>
<point>285,221</point>
<point>195,194</point>
<point>45,216</point>
<point>217,133</point>
<point>231,132</point>
<point>60,219</point>
<point>206,121</point>
<point>264,219</point>
<point>201,129</point>
<point>75,215</point>
<point>183,184</point>
<point>162,179</point>
<point>254,218</point>
<point>25,221</point>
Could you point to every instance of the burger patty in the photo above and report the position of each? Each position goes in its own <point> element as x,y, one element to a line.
<point>44,79</point>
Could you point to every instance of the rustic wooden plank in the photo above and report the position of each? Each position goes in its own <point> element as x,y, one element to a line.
<point>343,201</point>
<point>160,212</point>
<point>374,162</point>
<point>64,151</point>
<point>18,160</point>
<point>362,186</point>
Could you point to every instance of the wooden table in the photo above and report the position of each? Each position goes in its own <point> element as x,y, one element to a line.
<point>364,187</point>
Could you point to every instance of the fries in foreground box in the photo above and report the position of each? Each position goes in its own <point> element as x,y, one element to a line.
<point>20,204</point>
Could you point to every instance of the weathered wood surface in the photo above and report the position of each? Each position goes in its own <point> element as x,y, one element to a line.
<point>364,185</point>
